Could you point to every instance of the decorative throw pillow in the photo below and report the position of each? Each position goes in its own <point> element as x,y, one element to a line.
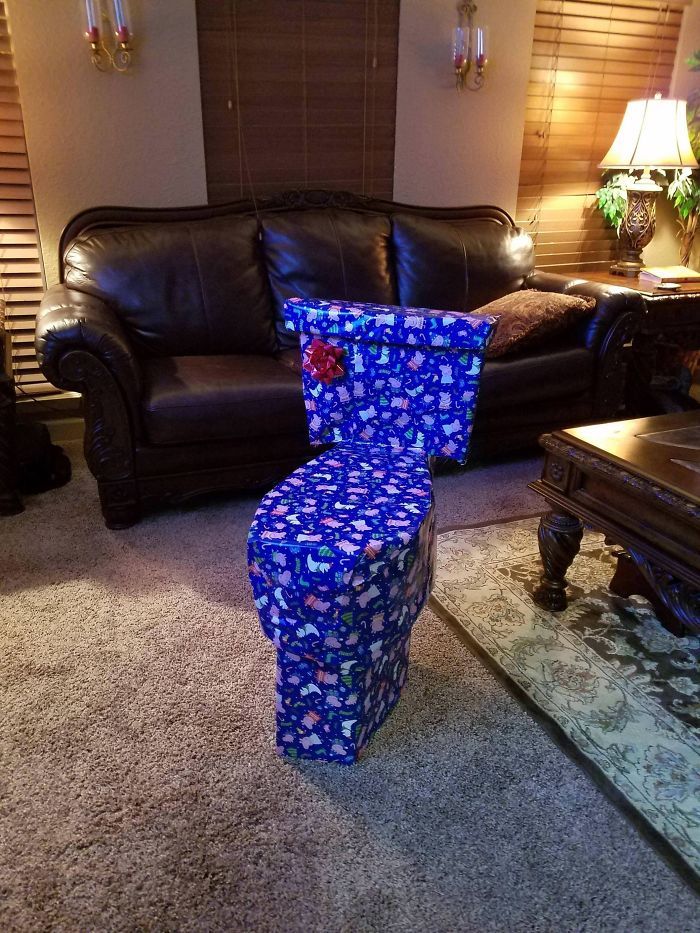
<point>529,316</point>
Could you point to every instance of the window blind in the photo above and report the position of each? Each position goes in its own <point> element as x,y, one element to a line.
<point>21,274</point>
<point>298,94</point>
<point>588,59</point>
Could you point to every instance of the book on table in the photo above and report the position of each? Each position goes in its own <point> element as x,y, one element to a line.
<point>661,274</point>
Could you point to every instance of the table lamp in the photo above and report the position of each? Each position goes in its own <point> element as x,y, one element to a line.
<point>653,135</point>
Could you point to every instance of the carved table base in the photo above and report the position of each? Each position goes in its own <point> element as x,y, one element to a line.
<point>638,482</point>
<point>629,580</point>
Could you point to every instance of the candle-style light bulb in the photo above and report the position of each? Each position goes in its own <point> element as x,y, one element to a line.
<point>480,56</point>
<point>459,46</point>
<point>122,21</point>
<point>93,17</point>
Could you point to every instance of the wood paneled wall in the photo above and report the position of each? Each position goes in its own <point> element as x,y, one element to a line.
<point>298,94</point>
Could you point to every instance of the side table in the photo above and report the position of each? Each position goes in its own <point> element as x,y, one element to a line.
<point>670,325</point>
<point>10,501</point>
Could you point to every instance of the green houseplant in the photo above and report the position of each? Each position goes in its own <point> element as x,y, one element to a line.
<point>612,198</point>
<point>684,192</point>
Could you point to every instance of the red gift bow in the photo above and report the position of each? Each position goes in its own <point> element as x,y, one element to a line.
<point>322,361</point>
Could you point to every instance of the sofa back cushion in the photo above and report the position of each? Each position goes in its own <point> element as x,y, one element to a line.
<point>327,253</point>
<point>180,288</point>
<point>457,265</point>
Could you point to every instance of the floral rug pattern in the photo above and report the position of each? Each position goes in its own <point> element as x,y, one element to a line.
<point>624,691</point>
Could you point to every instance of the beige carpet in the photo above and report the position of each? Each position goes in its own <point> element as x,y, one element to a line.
<point>139,790</point>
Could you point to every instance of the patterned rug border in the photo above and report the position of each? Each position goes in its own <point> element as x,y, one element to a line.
<point>646,829</point>
<point>520,517</point>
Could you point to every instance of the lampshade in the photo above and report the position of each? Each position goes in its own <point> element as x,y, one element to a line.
<point>653,134</point>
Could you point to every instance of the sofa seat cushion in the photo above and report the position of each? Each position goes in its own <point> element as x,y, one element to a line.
<point>201,398</point>
<point>292,359</point>
<point>559,372</point>
<point>517,382</point>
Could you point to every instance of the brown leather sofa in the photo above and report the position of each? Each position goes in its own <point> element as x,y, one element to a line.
<point>170,324</point>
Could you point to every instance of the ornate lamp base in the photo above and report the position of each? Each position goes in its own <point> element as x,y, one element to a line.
<point>637,228</point>
<point>630,267</point>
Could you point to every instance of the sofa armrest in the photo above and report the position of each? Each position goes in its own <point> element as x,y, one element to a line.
<point>617,316</point>
<point>70,320</point>
<point>82,346</point>
<point>612,302</point>
<point>550,281</point>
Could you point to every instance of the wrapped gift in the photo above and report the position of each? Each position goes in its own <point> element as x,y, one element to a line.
<point>341,552</point>
<point>329,711</point>
<point>389,376</point>
<point>341,557</point>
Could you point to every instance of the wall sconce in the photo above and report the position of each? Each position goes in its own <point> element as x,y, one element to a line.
<point>115,24</point>
<point>469,49</point>
<point>653,135</point>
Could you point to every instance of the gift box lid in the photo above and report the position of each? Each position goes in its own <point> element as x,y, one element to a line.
<point>336,521</point>
<point>373,323</point>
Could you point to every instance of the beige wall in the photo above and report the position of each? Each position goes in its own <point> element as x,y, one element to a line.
<point>464,148</point>
<point>94,138</point>
<point>686,82</point>
<point>137,138</point>
<point>455,147</point>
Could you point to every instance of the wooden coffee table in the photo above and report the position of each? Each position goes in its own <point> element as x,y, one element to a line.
<point>638,482</point>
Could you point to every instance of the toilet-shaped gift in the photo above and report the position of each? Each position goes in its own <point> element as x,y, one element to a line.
<point>341,552</point>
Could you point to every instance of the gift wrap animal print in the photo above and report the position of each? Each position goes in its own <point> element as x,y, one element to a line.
<point>341,552</point>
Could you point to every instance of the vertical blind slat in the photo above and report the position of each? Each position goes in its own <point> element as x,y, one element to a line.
<point>21,273</point>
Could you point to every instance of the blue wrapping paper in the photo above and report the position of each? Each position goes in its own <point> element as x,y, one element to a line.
<point>341,557</point>
<point>341,552</point>
<point>389,324</point>
<point>329,712</point>
<point>410,376</point>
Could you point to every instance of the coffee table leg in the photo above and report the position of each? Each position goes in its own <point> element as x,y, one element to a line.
<point>559,537</point>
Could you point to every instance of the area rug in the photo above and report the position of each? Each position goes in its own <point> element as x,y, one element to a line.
<point>621,691</point>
